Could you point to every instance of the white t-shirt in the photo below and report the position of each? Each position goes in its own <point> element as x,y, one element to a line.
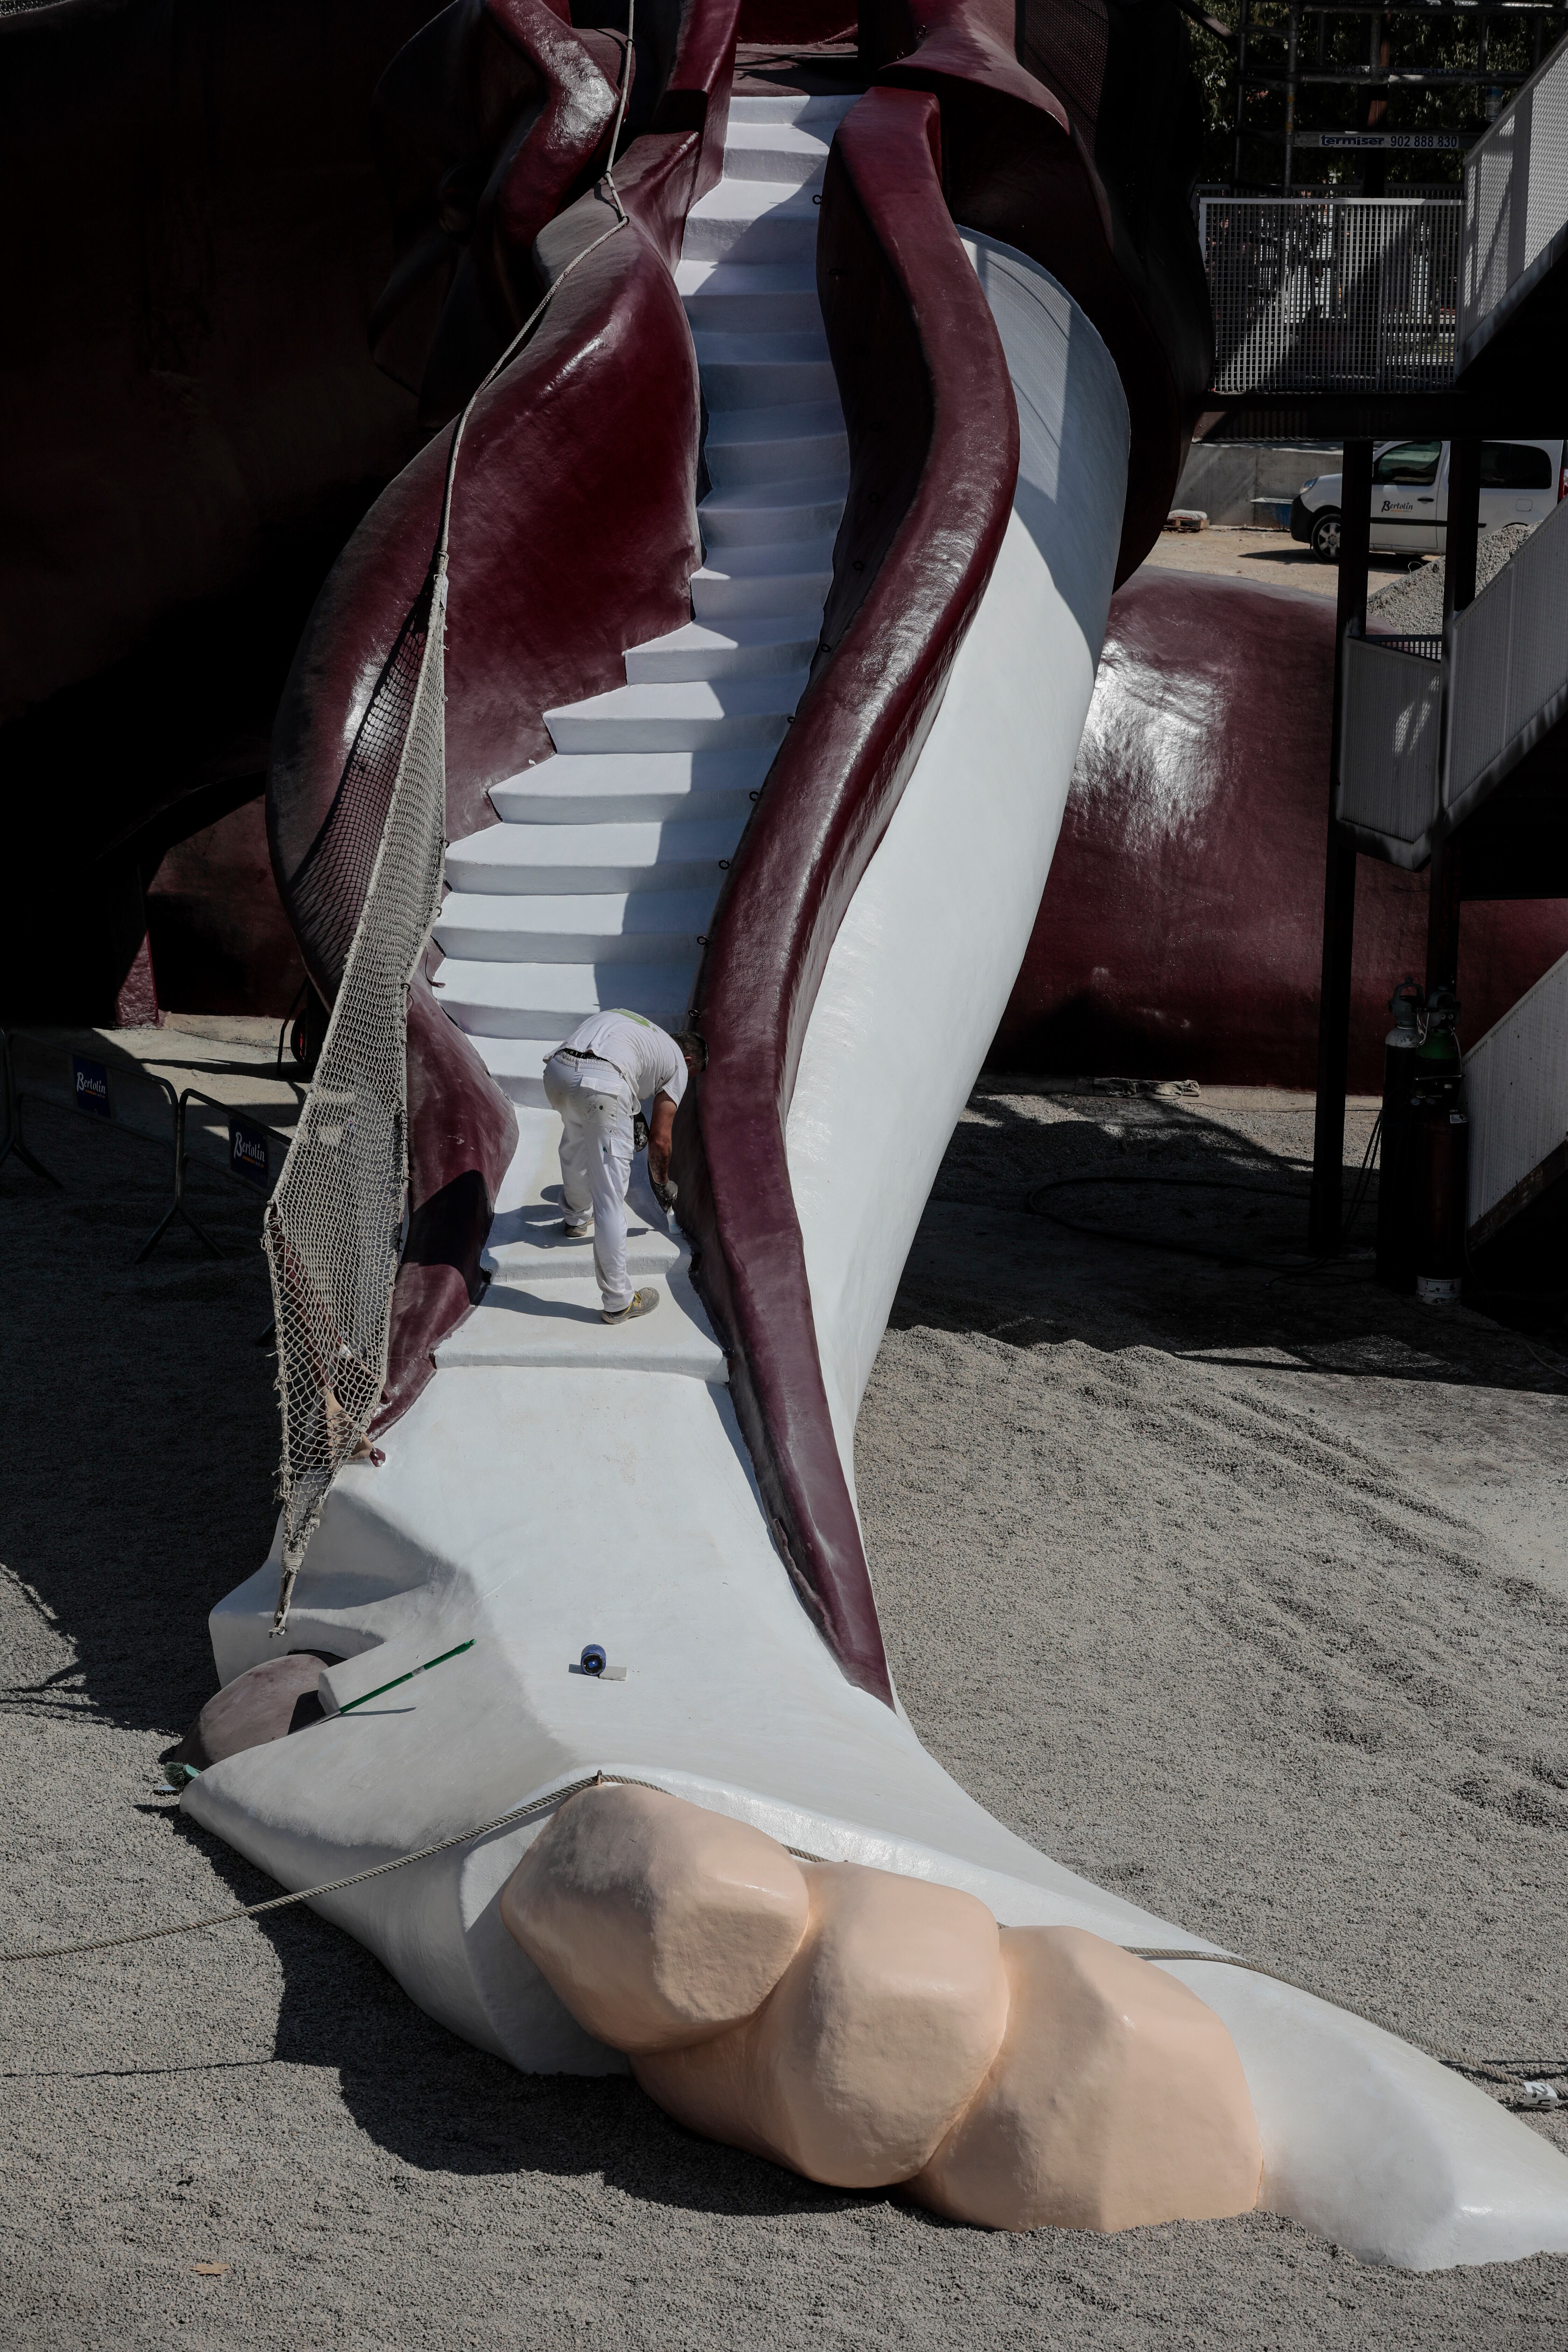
<point>651,1062</point>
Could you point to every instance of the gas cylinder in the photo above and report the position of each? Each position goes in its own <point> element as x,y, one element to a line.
<point>1395,1265</point>
<point>1439,1152</point>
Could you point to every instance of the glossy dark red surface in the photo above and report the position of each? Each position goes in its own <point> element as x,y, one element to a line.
<point>1180,933</point>
<point>933,455</point>
<point>1078,158</point>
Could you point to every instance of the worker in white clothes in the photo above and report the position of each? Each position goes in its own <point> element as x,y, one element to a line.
<point>612,1063</point>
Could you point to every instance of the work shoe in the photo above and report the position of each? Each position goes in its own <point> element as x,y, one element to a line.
<point>642,1302</point>
<point>576,1229</point>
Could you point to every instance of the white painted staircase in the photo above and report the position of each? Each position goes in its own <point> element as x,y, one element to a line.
<point>596,885</point>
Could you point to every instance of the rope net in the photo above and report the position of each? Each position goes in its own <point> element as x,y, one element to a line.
<point>333,1226</point>
<point>369,891</point>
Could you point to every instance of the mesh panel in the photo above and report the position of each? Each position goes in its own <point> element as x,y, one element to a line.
<point>332,1225</point>
<point>1516,195</point>
<point>333,880</point>
<point>1510,655</point>
<point>1516,1091</point>
<point>1315,295</point>
<point>1389,739</point>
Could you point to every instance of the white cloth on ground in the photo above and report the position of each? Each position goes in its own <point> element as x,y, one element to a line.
<point>594,1104</point>
<point>650,1060</point>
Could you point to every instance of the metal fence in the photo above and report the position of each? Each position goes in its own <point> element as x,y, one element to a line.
<point>1516,1091</point>
<point>1516,203</point>
<point>1507,664</point>
<point>1331,294</point>
<point>1390,739</point>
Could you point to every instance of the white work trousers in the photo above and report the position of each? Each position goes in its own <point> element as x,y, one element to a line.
<point>595,1107</point>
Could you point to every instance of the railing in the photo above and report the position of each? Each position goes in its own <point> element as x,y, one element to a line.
<point>1516,1091</point>
<point>1321,294</point>
<point>1428,726</point>
<point>1508,679</point>
<point>1391,735</point>
<point>1516,205</point>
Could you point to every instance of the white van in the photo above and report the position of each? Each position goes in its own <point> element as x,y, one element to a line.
<point>1521,481</point>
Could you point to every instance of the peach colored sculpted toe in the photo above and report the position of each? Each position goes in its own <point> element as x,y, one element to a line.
<point>876,2038</point>
<point>1117,2099</point>
<point>658,1923</point>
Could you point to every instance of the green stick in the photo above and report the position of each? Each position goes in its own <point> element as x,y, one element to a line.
<point>381,1688</point>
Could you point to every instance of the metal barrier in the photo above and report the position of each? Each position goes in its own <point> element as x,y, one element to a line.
<point>1331,294</point>
<point>1507,665</point>
<point>241,1131</point>
<point>1516,206</point>
<point>250,1155</point>
<point>1390,739</point>
<point>1516,1091</point>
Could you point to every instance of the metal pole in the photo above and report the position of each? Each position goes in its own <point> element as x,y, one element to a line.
<point>1240,86</point>
<point>179,1209</point>
<point>14,1142</point>
<point>1326,1213</point>
<point>1462,532</point>
<point>1290,92</point>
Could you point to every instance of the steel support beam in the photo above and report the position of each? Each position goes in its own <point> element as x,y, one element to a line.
<point>1325,1214</point>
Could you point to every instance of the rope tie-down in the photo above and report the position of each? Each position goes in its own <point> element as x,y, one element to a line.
<point>332,1231</point>
<point>1529,2079</point>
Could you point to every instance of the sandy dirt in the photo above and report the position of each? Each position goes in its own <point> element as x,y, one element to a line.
<point>1270,558</point>
<point>1241,1589</point>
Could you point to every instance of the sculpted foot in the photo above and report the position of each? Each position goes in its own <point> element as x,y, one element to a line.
<point>865,2029</point>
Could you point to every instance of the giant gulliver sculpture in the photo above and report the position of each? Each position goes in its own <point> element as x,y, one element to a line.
<point>773,577</point>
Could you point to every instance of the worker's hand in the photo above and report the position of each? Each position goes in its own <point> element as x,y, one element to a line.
<point>665,1194</point>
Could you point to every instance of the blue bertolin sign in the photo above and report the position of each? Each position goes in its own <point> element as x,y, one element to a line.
<point>90,1086</point>
<point>247,1151</point>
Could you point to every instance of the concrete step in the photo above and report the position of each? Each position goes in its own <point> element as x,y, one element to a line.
<point>749,582</point>
<point>746,650</point>
<point>750,298</point>
<point>764,370</point>
<point>573,858</point>
<point>794,106</point>
<point>517,1066</point>
<point>635,926</point>
<point>746,220</point>
<point>771,514</point>
<point>775,444</point>
<point>558,1324</point>
<point>631,786</point>
<point>696,714</point>
<point>529,1247</point>
<point>778,153</point>
<point>548,1000</point>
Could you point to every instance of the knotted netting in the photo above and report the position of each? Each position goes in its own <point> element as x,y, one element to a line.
<point>369,891</point>
<point>333,1224</point>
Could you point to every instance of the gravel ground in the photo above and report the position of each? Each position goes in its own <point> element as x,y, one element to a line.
<point>1414,603</point>
<point>1239,1587</point>
<point>1271,559</point>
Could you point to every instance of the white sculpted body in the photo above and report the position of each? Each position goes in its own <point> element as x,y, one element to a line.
<point>560,1484</point>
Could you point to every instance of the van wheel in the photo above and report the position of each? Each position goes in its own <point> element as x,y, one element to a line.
<point>1325,539</point>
